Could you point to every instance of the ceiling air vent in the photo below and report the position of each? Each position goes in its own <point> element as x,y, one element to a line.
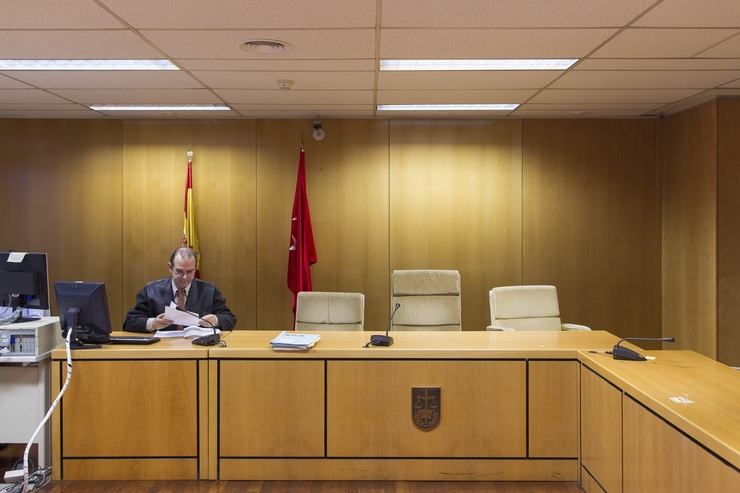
<point>264,46</point>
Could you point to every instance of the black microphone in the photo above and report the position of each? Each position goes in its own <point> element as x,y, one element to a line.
<point>620,352</point>
<point>210,339</point>
<point>385,340</point>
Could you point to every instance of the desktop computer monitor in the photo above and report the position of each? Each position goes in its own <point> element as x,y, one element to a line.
<point>83,309</point>
<point>24,281</point>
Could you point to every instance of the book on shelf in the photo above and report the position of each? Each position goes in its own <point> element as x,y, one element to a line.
<point>191,332</point>
<point>293,341</point>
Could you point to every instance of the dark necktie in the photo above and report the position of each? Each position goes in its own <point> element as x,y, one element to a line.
<point>180,302</point>
<point>180,299</point>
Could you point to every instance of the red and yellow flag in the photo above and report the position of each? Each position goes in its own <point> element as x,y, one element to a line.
<point>302,251</point>
<point>189,236</point>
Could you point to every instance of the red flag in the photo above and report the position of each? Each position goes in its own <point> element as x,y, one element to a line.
<point>302,252</point>
<point>189,237</point>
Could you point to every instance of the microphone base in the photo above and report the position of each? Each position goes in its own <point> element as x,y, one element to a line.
<point>209,340</point>
<point>624,353</point>
<point>380,340</point>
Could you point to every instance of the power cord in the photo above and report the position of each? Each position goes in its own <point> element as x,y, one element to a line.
<point>42,477</point>
<point>38,479</point>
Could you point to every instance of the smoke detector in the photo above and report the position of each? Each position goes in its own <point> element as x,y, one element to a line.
<point>285,84</point>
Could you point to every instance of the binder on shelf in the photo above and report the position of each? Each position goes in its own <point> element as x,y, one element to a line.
<point>293,341</point>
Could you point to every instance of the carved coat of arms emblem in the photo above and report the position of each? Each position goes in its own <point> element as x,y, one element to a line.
<point>426,407</point>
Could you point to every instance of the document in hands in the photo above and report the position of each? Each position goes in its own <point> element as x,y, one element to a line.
<point>191,332</point>
<point>292,341</point>
<point>180,317</point>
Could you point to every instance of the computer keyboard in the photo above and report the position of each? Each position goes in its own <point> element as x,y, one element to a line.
<point>133,339</point>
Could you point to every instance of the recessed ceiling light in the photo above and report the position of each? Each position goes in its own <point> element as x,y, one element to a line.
<point>87,65</point>
<point>505,64</point>
<point>159,107</point>
<point>264,46</point>
<point>447,107</point>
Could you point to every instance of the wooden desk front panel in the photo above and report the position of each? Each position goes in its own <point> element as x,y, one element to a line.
<point>483,409</point>
<point>553,409</point>
<point>271,408</point>
<point>660,458</point>
<point>601,431</point>
<point>135,408</point>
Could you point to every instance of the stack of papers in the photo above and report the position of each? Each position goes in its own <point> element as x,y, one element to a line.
<point>292,341</point>
<point>191,332</point>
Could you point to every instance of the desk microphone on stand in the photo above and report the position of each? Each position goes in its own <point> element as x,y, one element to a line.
<point>210,339</point>
<point>385,340</point>
<point>620,352</point>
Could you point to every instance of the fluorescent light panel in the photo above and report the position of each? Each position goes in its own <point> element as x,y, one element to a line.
<point>506,64</point>
<point>87,65</point>
<point>160,107</point>
<point>447,107</point>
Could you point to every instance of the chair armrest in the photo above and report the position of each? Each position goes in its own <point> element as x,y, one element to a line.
<point>499,328</point>
<point>574,327</point>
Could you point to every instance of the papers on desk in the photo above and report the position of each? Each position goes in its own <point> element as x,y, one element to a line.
<point>292,341</point>
<point>191,332</point>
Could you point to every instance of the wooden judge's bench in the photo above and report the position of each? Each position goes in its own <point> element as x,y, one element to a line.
<point>447,406</point>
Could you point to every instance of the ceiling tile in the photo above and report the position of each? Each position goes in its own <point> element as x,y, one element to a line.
<point>70,45</point>
<point>306,44</point>
<point>662,43</point>
<point>254,14</point>
<point>301,80</point>
<point>608,79</point>
<point>608,96</point>
<point>138,96</point>
<point>240,96</point>
<point>690,13</point>
<point>511,13</point>
<point>45,14</point>
<point>74,79</point>
<point>490,43</point>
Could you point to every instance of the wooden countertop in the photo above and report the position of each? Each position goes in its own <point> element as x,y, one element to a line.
<point>420,345</point>
<point>713,416</point>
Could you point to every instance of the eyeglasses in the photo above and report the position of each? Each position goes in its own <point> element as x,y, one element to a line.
<point>182,273</point>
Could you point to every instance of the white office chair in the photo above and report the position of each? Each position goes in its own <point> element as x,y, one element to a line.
<point>527,308</point>
<point>429,299</point>
<point>318,310</point>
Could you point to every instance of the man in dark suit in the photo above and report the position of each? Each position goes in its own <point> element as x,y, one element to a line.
<point>200,297</point>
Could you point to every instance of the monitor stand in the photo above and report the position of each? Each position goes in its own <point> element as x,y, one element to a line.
<point>74,343</point>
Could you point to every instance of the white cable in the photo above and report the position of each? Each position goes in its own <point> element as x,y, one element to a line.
<point>48,414</point>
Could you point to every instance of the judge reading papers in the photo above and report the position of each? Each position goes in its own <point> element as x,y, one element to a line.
<point>291,341</point>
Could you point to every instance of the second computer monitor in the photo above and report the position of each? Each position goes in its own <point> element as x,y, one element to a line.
<point>83,309</point>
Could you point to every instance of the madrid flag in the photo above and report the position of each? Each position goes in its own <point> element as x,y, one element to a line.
<point>189,237</point>
<point>302,252</point>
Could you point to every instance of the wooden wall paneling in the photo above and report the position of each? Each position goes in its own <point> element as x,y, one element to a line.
<point>155,165</point>
<point>455,203</point>
<point>592,220</point>
<point>347,187</point>
<point>61,194</point>
<point>728,234</point>
<point>690,229</point>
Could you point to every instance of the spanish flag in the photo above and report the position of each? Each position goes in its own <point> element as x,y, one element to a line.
<point>189,237</point>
